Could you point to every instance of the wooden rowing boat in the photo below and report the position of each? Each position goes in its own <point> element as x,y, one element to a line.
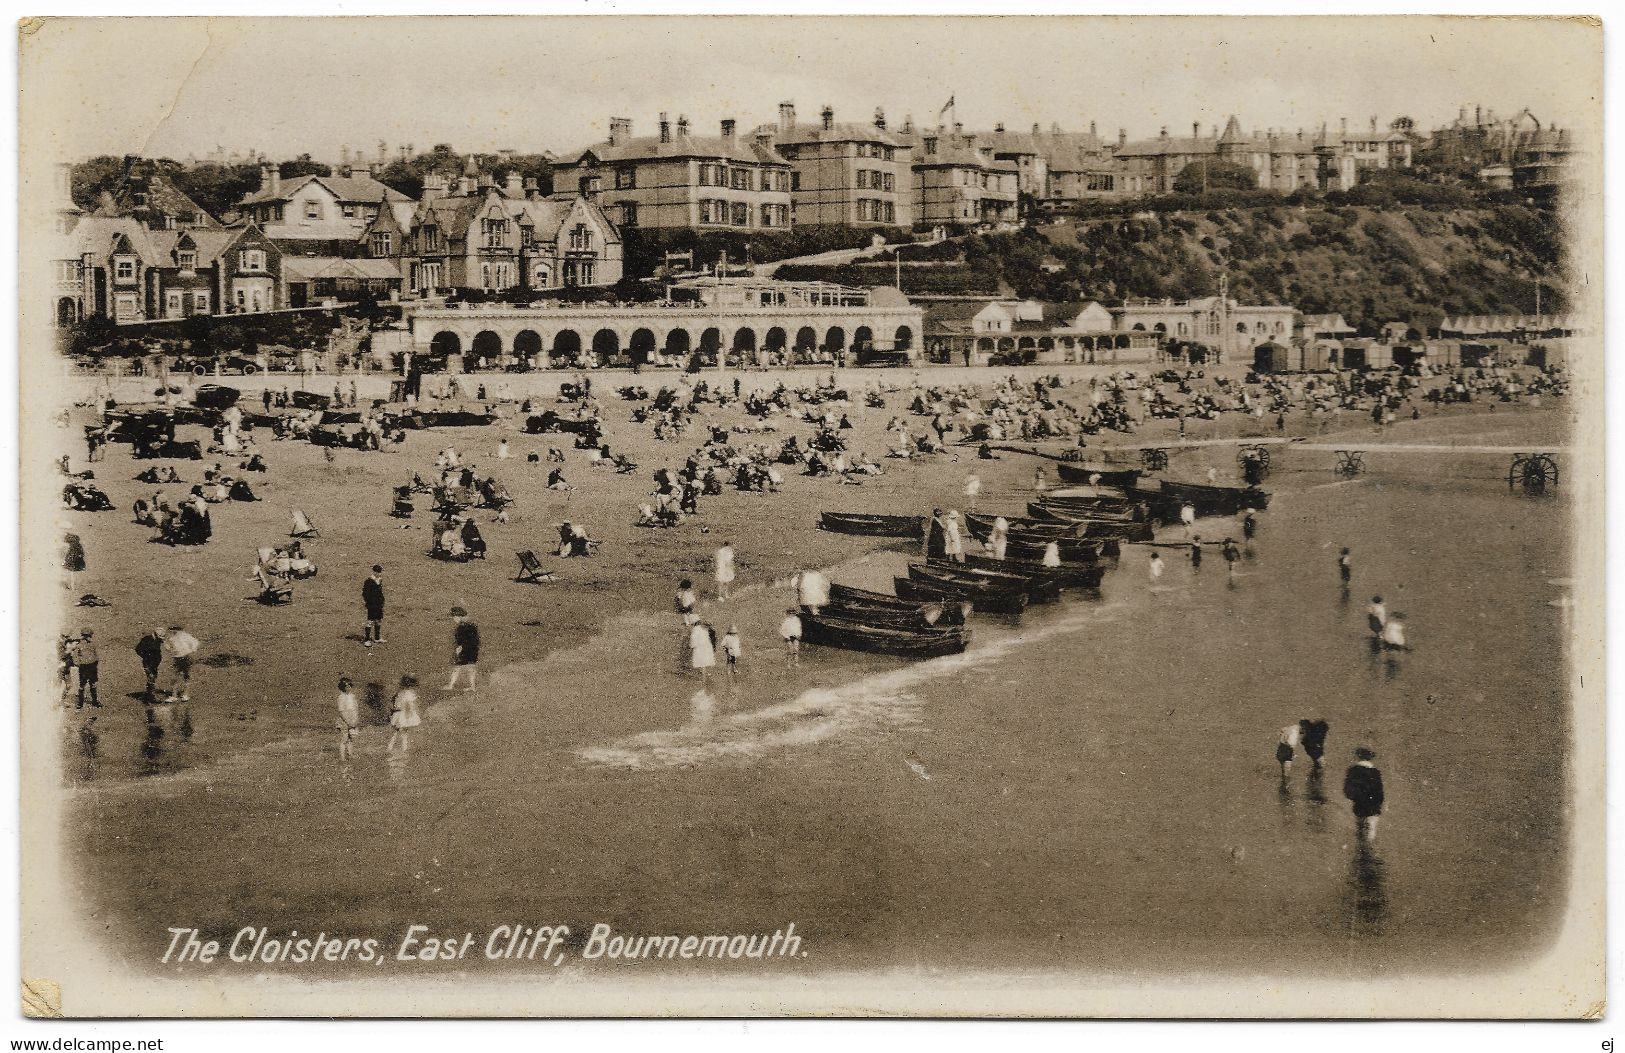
<point>1069,575</point>
<point>868,525</point>
<point>827,630</point>
<point>1039,588</point>
<point>863,605</point>
<point>1008,601</point>
<point>1097,476</point>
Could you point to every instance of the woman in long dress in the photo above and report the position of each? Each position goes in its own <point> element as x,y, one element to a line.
<point>403,714</point>
<point>702,651</point>
<point>725,569</point>
<point>1000,539</point>
<point>812,590</point>
<point>952,544</point>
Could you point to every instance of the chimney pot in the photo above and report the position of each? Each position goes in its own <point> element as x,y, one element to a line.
<point>620,130</point>
<point>828,115</point>
<point>1343,126</point>
<point>665,129</point>
<point>515,184</point>
<point>682,125</point>
<point>1122,137</point>
<point>1036,128</point>
<point>787,117</point>
<point>1091,127</point>
<point>998,129</point>
<point>880,118</point>
<point>1164,133</point>
<point>728,128</point>
<point>1373,124</point>
<point>1196,129</point>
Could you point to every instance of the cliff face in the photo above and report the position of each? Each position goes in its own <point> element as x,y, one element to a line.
<point>1411,264</point>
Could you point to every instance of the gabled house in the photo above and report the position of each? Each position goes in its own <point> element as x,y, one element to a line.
<point>332,211</point>
<point>478,235</point>
<point>130,274</point>
<point>148,195</point>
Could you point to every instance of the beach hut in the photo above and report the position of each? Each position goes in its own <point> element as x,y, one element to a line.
<point>1270,357</point>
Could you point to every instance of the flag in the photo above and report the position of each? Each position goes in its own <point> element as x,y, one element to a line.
<point>946,106</point>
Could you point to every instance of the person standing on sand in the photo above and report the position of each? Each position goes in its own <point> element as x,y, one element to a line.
<point>1393,633</point>
<point>87,662</point>
<point>1345,568</point>
<point>702,650</point>
<point>403,715</point>
<point>687,603</point>
<point>465,651</point>
<point>812,590</point>
<point>953,546</point>
<point>180,645</point>
<point>150,650</point>
<point>1249,527</point>
<point>790,632</point>
<point>1196,553</point>
<point>732,650</point>
<point>725,569</point>
<point>349,722</point>
<point>973,489</point>
<point>372,597</point>
<point>1313,735</point>
<point>1376,615</point>
<point>1155,568</point>
<point>1231,554</point>
<point>1286,749</point>
<point>1187,516</point>
<point>1362,785</point>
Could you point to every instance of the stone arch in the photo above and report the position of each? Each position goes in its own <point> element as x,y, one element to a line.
<point>744,345</point>
<point>711,343</point>
<point>1006,344</point>
<point>1123,341</point>
<point>863,339</point>
<point>487,344</point>
<point>903,340</point>
<point>1046,344</point>
<point>642,346</point>
<point>835,339</point>
<point>806,339</point>
<point>566,346</point>
<point>985,344</point>
<point>776,339</point>
<point>527,344</point>
<point>606,344</point>
<point>678,343</point>
<point>446,342</point>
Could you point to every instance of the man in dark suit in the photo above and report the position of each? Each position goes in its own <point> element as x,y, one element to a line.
<point>372,597</point>
<point>1362,785</point>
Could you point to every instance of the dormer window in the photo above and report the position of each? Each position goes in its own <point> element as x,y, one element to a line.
<point>124,268</point>
<point>382,243</point>
<point>580,237</point>
<point>348,210</point>
<point>187,261</point>
<point>251,260</point>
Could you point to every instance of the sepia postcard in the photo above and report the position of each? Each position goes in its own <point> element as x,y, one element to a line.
<point>823,516</point>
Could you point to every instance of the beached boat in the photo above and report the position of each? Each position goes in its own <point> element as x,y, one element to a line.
<point>980,526</point>
<point>1040,588</point>
<point>1207,499</point>
<point>1098,528</point>
<point>827,630</point>
<point>1069,575</point>
<point>1097,476</point>
<point>863,605</point>
<point>1058,513</point>
<point>872,525</point>
<point>1006,601</point>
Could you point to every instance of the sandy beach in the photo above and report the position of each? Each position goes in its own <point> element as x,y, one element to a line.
<point>1052,798</point>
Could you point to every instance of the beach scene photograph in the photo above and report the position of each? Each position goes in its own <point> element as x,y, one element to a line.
<point>819,516</point>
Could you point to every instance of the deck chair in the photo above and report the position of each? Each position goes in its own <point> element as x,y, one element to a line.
<point>531,569</point>
<point>274,591</point>
<point>302,526</point>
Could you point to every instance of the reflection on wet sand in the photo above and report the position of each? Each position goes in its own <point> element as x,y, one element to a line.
<point>1367,892</point>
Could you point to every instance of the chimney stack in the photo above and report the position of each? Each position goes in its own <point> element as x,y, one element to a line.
<point>828,114</point>
<point>1343,127</point>
<point>998,129</point>
<point>270,177</point>
<point>959,128</point>
<point>682,126</point>
<point>434,186</point>
<point>728,128</point>
<point>1037,129</point>
<point>1196,129</point>
<point>620,130</point>
<point>930,143</point>
<point>516,186</point>
<point>344,155</point>
<point>1122,138</point>
<point>1478,116</point>
<point>1373,125</point>
<point>787,117</point>
<point>1091,127</point>
<point>1164,133</point>
<point>665,129</point>
<point>531,187</point>
<point>880,118</point>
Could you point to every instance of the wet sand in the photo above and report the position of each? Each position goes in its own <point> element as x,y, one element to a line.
<point>1092,788</point>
